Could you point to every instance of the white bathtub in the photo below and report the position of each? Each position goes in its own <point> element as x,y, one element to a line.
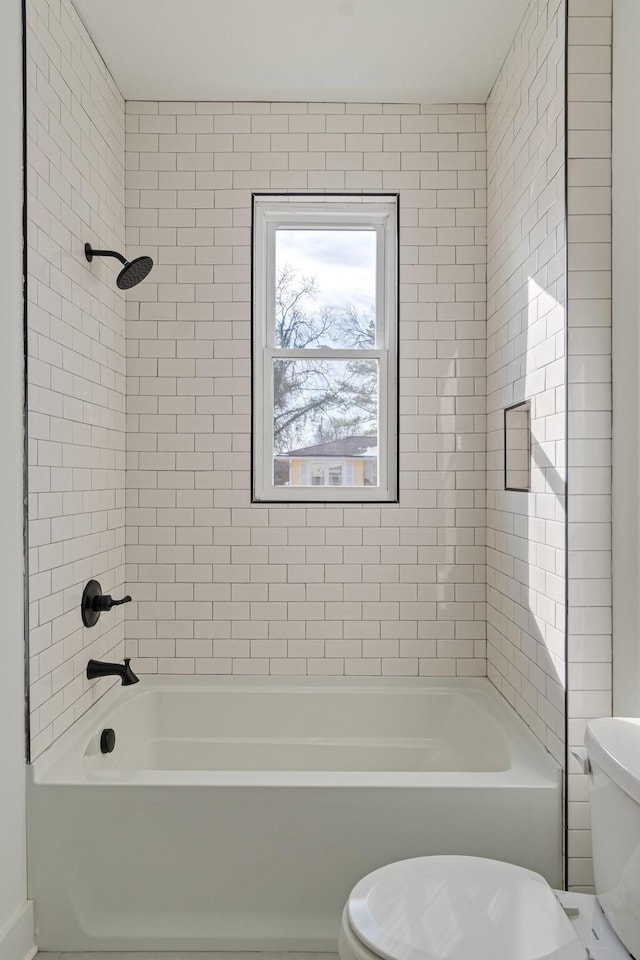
<point>238,813</point>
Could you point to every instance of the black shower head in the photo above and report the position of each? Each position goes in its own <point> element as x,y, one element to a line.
<point>132,272</point>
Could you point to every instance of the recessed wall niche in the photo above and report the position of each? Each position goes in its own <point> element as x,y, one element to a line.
<point>517,446</point>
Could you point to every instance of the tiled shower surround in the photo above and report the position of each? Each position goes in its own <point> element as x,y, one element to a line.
<point>589,399</point>
<point>526,361</point>
<point>76,364</point>
<point>224,586</point>
<point>221,585</point>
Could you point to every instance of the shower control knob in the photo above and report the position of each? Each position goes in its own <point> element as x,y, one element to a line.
<point>95,602</point>
<point>105,602</point>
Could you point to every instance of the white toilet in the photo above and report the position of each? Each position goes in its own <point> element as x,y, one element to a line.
<point>470,908</point>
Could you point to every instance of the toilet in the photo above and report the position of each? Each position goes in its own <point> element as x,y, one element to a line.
<point>471,908</point>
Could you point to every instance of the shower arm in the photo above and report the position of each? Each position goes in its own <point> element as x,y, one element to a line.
<point>90,253</point>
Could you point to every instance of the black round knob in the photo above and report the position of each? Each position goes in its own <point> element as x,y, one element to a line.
<point>107,740</point>
<point>94,602</point>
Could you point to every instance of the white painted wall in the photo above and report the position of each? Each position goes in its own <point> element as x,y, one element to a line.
<point>16,927</point>
<point>626,358</point>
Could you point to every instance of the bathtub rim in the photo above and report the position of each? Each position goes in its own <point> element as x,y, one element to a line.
<point>530,766</point>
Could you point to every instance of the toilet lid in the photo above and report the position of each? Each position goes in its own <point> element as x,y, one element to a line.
<point>455,908</point>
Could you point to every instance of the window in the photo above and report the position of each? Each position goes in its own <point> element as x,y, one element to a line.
<point>325,348</point>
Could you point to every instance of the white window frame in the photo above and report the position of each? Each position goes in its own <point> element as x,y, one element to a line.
<point>373,211</point>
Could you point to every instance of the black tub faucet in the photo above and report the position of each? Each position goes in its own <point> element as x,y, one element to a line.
<point>96,668</point>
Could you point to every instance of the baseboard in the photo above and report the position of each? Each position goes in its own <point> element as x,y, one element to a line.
<point>17,937</point>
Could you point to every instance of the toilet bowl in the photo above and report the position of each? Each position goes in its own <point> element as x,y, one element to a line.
<point>458,908</point>
<point>471,908</point>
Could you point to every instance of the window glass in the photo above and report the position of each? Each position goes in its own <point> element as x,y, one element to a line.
<point>325,408</point>
<point>325,289</point>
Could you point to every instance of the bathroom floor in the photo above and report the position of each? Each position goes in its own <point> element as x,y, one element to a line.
<point>217,955</point>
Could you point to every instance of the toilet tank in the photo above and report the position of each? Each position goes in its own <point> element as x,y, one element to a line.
<point>613,748</point>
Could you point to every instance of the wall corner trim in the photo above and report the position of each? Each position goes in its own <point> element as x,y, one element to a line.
<point>17,937</point>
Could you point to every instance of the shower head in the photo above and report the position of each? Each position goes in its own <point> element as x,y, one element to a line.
<point>132,272</point>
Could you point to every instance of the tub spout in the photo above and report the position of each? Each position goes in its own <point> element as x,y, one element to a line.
<point>98,668</point>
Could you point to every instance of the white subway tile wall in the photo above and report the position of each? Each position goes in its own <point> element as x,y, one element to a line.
<point>526,361</point>
<point>589,398</point>
<point>75,128</point>
<point>224,586</point>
